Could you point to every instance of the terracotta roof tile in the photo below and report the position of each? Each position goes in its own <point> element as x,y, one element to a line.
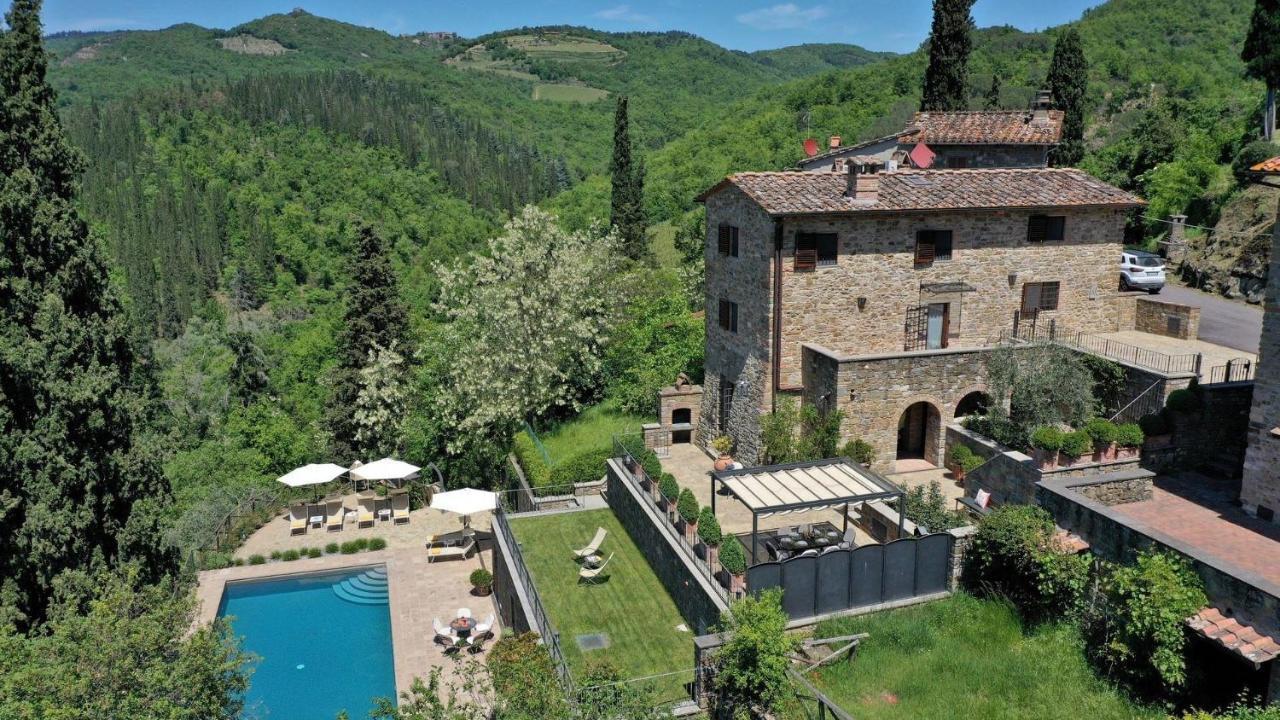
<point>805,193</point>
<point>983,127</point>
<point>1253,642</point>
<point>1269,167</point>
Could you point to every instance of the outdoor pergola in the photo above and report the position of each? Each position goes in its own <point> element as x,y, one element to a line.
<point>777,489</point>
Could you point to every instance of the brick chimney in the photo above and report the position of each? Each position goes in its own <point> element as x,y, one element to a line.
<point>863,179</point>
<point>833,142</point>
<point>1041,107</point>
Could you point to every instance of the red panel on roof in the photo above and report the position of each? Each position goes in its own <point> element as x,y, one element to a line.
<point>921,156</point>
<point>810,147</point>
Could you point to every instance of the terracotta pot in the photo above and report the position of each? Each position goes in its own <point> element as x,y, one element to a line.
<point>713,557</point>
<point>737,584</point>
<point>482,591</point>
<point>1126,453</point>
<point>1045,459</point>
<point>724,462</point>
<point>691,532</point>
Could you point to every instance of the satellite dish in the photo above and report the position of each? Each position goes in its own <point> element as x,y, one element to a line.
<point>810,147</point>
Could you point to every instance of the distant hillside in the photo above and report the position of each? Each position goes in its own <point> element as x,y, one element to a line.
<point>813,58</point>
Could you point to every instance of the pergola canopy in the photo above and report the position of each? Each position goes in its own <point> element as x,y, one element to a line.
<point>806,486</point>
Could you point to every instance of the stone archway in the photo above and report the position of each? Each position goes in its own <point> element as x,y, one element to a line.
<point>974,402</point>
<point>920,432</point>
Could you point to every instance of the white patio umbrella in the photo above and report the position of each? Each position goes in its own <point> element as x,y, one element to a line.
<point>385,469</point>
<point>313,474</point>
<point>465,502</point>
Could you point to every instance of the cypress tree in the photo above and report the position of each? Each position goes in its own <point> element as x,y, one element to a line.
<point>626,209</point>
<point>375,317</point>
<point>1261,55</point>
<point>80,489</point>
<point>992,99</point>
<point>946,78</point>
<point>1068,82</point>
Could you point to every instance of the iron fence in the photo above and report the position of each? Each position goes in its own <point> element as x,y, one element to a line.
<point>634,475</point>
<point>1237,370</point>
<point>541,620</point>
<point>1147,402</point>
<point>1145,358</point>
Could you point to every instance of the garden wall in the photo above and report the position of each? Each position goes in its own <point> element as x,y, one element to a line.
<point>699,603</point>
<point>1160,317</point>
<point>1211,439</point>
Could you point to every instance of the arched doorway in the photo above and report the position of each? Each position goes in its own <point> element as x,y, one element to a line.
<point>918,429</point>
<point>975,403</point>
<point>681,420</point>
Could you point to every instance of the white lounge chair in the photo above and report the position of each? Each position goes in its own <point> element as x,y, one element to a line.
<point>336,516</point>
<point>591,576</point>
<point>297,519</point>
<point>592,547</point>
<point>400,508</point>
<point>365,515</point>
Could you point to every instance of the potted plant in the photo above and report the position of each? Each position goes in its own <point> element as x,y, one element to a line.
<point>1103,433</point>
<point>734,562</point>
<point>1046,441</point>
<point>1075,445</point>
<point>1156,429</point>
<point>687,507</point>
<point>960,460</point>
<point>710,535</point>
<point>859,451</point>
<point>670,491</point>
<point>723,445</point>
<point>652,468</point>
<point>481,582</point>
<point>1129,439</point>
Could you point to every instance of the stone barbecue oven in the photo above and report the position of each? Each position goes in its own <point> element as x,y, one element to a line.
<point>678,409</point>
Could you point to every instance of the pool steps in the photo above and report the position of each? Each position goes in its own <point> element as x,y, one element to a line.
<point>367,588</point>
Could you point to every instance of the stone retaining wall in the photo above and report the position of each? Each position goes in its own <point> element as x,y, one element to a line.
<point>1160,317</point>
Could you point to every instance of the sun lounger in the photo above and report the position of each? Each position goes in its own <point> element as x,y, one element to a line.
<point>593,546</point>
<point>400,508</point>
<point>459,551</point>
<point>297,520</point>
<point>336,516</point>
<point>365,515</point>
<point>591,576</point>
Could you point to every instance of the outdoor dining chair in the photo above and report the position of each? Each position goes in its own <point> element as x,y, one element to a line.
<point>484,629</point>
<point>476,645</point>
<point>444,635</point>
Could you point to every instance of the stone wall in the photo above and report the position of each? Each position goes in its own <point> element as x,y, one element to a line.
<point>874,391</point>
<point>1211,439</point>
<point>679,397</point>
<point>1159,317</point>
<point>1112,536</point>
<point>1118,490</point>
<point>699,605</point>
<point>1260,491</point>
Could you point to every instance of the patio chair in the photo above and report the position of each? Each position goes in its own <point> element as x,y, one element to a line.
<point>591,576</point>
<point>455,649</point>
<point>592,547</point>
<point>484,629</point>
<point>476,644</point>
<point>444,634</point>
<point>336,515</point>
<point>464,612</point>
<point>298,520</point>
<point>365,516</point>
<point>400,508</point>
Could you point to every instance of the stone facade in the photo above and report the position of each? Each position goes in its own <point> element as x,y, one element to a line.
<point>1260,491</point>
<point>1165,318</point>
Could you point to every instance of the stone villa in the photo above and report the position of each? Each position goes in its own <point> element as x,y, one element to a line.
<point>964,139</point>
<point>874,291</point>
<point>1260,488</point>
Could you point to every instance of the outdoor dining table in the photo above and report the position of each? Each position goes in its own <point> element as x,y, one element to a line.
<point>463,626</point>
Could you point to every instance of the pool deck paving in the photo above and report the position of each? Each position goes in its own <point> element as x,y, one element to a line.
<point>419,591</point>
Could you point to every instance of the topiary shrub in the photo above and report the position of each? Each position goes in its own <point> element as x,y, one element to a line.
<point>687,506</point>
<point>1077,444</point>
<point>859,451</point>
<point>377,543</point>
<point>709,528</point>
<point>331,548</point>
<point>314,552</point>
<point>349,548</point>
<point>668,486</point>
<point>1047,438</point>
<point>1185,400</point>
<point>959,455</point>
<point>290,555</point>
<point>361,543</point>
<point>1130,435</point>
<point>536,470</point>
<point>481,579</point>
<point>650,463</point>
<point>732,557</point>
<point>1154,424</point>
<point>1014,555</point>
<point>1101,431</point>
<point>257,560</point>
<point>584,467</point>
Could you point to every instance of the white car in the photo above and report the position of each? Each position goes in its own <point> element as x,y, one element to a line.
<point>1141,271</point>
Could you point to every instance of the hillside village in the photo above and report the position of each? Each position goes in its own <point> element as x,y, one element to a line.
<point>345,374</point>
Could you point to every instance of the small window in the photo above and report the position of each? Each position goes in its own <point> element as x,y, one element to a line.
<point>932,245</point>
<point>1039,296</point>
<point>729,315</point>
<point>726,402</point>
<point>727,240</point>
<point>815,249</point>
<point>1041,228</point>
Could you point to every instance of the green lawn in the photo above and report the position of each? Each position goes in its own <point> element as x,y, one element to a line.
<point>966,658</point>
<point>632,606</point>
<point>563,92</point>
<point>594,427</point>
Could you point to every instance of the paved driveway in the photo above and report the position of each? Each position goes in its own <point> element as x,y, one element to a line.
<point>1226,322</point>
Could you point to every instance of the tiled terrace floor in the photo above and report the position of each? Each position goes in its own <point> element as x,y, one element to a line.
<point>1214,355</point>
<point>1197,510</point>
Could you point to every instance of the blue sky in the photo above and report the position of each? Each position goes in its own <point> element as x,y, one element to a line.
<point>897,25</point>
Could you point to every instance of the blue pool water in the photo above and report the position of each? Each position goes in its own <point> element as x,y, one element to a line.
<point>323,643</point>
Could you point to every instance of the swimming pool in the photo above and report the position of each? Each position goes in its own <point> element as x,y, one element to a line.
<point>323,642</point>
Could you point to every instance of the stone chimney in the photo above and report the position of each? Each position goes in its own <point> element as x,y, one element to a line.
<point>1041,107</point>
<point>1176,250</point>
<point>863,179</point>
<point>833,142</point>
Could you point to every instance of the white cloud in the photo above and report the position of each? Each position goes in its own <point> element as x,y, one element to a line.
<point>787,16</point>
<point>624,13</point>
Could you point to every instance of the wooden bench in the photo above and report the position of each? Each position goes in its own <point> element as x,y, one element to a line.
<point>971,505</point>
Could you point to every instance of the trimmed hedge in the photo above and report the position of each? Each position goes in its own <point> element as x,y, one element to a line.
<point>1185,400</point>
<point>1047,438</point>
<point>1077,444</point>
<point>964,457</point>
<point>314,552</point>
<point>586,466</point>
<point>668,486</point>
<point>1154,424</point>
<point>709,528</point>
<point>536,470</point>
<point>1102,431</point>
<point>687,506</point>
<point>732,557</point>
<point>1130,435</point>
<point>859,451</point>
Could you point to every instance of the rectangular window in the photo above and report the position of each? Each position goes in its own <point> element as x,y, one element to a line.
<point>726,402</point>
<point>1039,296</point>
<point>932,245</point>
<point>728,240</point>
<point>816,249</point>
<point>1051,228</point>
<point>729,315</point>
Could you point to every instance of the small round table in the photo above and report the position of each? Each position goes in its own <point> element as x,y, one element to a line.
<point>462,627</point>
<point>592,561</point>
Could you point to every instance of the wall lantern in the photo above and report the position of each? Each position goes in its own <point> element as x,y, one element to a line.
<point>862,303</point>
<point>1013,279</point>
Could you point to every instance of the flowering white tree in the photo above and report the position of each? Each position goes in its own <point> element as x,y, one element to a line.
<point>381,402</point>
<point>528,320</point>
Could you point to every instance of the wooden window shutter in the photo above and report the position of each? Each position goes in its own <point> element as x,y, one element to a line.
<point>926,249</point>
<point>1049,296</point>
<point>806,252</point>
<point>1030,298</point>
<point>1037,228</point>
<point>725,239</point>
<point>724,314</point>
